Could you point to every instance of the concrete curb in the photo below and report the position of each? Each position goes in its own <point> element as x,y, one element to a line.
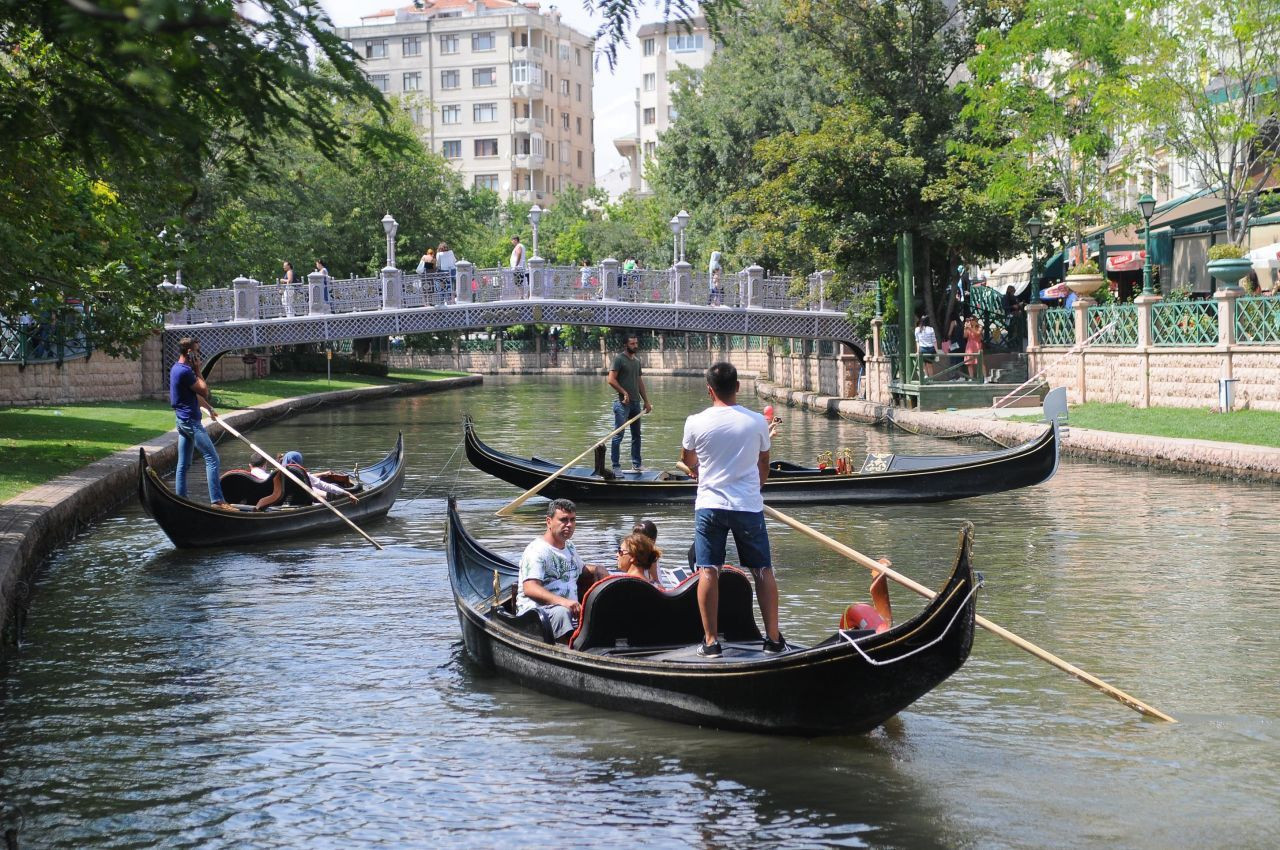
<point>34,523</point>
<point>1202,457</point>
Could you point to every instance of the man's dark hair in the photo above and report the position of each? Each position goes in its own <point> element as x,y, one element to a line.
<point>723,378</point>
<point>185,345</point>
<point>561,505</point>
<point>515,238</point>
<point>647,528</point>
<point>257,460</point>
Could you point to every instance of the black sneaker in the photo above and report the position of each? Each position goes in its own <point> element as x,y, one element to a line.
<point>773,647</point>
<point>709,650</point>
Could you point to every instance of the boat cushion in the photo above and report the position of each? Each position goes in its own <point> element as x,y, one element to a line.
<point>627,609</point>
<point>239,487</point>
<point>532,622</point>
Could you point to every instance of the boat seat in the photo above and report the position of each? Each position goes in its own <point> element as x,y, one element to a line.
<point>239,487</point>
<point>534,622</point>
<point>629,611</point>
<point>293,494</point>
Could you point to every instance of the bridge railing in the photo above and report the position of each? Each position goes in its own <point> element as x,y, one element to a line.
<point>431,289</point>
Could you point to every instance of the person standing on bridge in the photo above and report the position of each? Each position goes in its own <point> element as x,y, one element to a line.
<point>188,392</point>
<point>517,266</point>
<point>624,378</point>
<point>446,262</point>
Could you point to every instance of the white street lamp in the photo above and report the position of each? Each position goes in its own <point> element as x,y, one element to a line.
<point>684,222</point>
<point>390,225</point>
<point>535,215</point>
<point>675,239</point>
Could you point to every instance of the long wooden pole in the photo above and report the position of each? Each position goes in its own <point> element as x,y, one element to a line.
<point>1089,679</point>
<point>529,494</point>
<point>303,484</point>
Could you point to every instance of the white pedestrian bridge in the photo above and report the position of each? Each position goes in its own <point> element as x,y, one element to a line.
<point>252,315</point>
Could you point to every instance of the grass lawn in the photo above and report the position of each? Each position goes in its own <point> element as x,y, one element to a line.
<point>1256,427</point>
<point>37,444</point>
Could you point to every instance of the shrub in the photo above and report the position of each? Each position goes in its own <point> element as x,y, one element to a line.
<point>1087,267</point>
<point>1226,251</point>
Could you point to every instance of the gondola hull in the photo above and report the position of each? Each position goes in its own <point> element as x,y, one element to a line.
<point>192,524</point>
<point>830,688</point>
<point>907,479</point>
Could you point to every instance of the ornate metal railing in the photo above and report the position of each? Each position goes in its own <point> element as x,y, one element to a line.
<point>1057,327</point>
<point>29,340</point>
<point>1258,320</point>
<point>1190,323</point>
<point>1123,319</point>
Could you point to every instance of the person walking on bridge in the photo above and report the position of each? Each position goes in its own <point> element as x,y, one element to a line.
<point>624,378</point>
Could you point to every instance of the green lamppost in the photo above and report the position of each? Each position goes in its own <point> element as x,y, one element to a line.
<point>1147,206</point>
<point>1034,228</point>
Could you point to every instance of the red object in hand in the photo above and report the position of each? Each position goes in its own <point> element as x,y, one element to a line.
<point>768,413</point>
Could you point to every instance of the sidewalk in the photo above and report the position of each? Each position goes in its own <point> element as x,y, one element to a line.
<point>34,523</point>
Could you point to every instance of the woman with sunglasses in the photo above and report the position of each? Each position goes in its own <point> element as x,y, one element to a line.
<point>638,557</point>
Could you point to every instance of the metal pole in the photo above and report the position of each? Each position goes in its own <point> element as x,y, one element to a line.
<point>1035,287</point>
<point>906,300</point>
<point>1148,288</point>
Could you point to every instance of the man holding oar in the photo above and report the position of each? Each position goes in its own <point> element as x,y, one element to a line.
<point>188,393</point>
<point>726,447</point>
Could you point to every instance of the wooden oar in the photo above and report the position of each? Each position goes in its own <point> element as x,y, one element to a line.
<point>303,484</point>
<point>1089,679</point>
<point>529,494</point>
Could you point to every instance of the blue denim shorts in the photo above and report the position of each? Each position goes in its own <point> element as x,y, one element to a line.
<point>711,528</point>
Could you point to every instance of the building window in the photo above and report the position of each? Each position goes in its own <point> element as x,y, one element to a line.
<point>564,52</point>
<point>564,87</point>
<point>481,41</point>
<point>579,159</point>
<point>381,82</point>
<point>577,52</point>
<point>520,39</point>
<point>482,77</point>
<point>482,113</point>
<point>375,49</point>
<point>579,85</point>
<point>524,72</point>
<point>448,44</point>
<point>411,45</point>
<point>684,43</point>
<point>579,121</point>
<point>650,82</point>
<point>450,79</point>
<point>451,149</point>
<point>551,151</point>
<point>649,148</point>
<point>650,115</point>
<point>413,81</point>
<point>564,120</point>
<point>451,114</point>
<point>417,114</point>
<point>487,181</point>
<point>648,47</point>
<point>486,147</point>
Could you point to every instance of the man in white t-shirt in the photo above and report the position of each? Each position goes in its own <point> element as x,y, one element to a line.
<point>549,570</point>
<point>727,447</point>
<point>517,263</point>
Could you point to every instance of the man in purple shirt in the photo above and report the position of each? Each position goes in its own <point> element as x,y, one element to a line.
<point>188,392</point>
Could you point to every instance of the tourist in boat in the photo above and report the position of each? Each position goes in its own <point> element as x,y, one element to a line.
<point>727,448</point>
<point>638,557</point>
<point>188,393</point>
<point>549,571</point>
<point>258,468</point>
<point>321,489</point>
<point>624,378</point>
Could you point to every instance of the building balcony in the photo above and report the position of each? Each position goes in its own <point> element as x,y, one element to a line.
<point>526,196</point>
<point>528,125</point>
<point>526,90</point>
<point>529,54</point>
<point>528,160</point>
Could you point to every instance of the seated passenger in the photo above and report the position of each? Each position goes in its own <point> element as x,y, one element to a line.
<point>258,468</point>
<point>549,570</point>
<point>319,486</point>
<point>638,557</point>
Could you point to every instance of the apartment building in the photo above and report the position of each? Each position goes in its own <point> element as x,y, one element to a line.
<point>500,89</point>
<point>664,47</point>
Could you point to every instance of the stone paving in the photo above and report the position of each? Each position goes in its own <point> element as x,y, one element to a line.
<point>37,521</point>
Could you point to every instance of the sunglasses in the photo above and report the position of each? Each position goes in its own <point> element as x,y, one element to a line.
<point>622,551</point>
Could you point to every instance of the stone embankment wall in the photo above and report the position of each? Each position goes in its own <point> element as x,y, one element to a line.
<point>1203,457</point>
<point>35,522</point>
<point>104,378</point>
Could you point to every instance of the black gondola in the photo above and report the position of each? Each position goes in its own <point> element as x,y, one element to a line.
<point>884,478</point>
<point>192,524</point>
<point>636,650</point>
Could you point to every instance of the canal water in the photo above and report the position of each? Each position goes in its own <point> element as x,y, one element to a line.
<point>312,693</point>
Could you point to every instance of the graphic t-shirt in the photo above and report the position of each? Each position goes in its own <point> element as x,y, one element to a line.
<point>557,569</point>
<point>182,398</point>
<point>628,369</point>
<point>728,442</point>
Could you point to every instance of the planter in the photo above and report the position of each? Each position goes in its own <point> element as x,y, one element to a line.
<point>1231,270</point>
<point>1084,284</point>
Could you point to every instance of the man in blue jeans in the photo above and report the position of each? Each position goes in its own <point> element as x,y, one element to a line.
<point>727,448</point>
<point>624,378</point>
<point>188,392</point>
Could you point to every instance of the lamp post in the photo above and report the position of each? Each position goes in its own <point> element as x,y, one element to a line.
<point>390,225</point>
<point>684,222</point>
<point>675,239</point>
<point>535,216</point>
<point>1034,227</point>
<point>1147,206</point>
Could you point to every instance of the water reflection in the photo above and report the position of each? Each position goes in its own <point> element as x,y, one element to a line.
<point>311,692</point>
